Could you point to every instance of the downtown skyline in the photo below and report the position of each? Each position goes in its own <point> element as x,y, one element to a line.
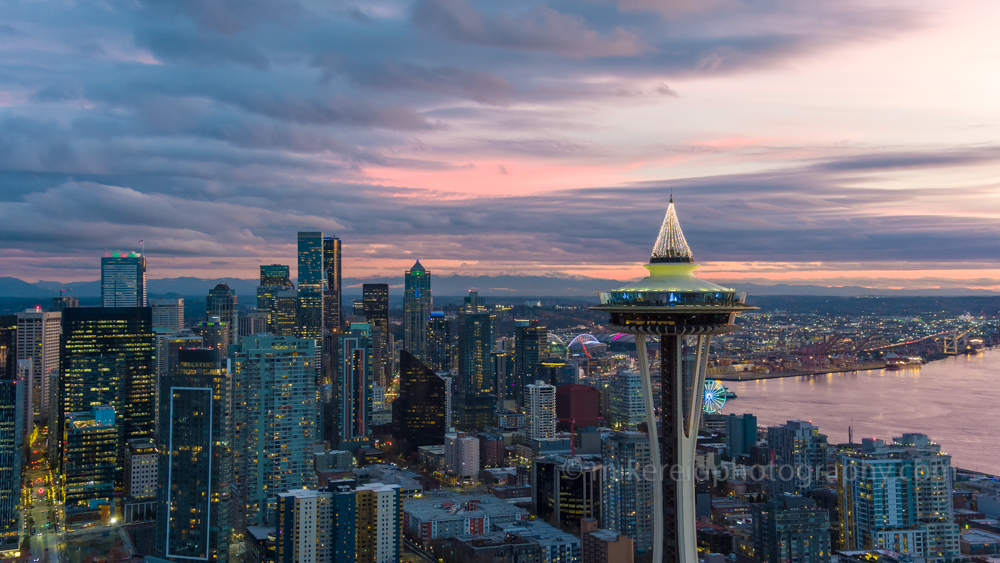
<point>827,144</point>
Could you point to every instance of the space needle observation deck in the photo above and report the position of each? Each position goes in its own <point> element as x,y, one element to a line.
<point>684,312</point>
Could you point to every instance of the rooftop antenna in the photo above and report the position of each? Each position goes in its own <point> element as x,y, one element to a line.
<point>141,251</point>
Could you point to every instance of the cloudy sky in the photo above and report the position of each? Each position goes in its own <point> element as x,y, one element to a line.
<point>827,142</point>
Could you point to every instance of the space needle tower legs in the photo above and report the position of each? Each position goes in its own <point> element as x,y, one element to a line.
<point>684,312</point>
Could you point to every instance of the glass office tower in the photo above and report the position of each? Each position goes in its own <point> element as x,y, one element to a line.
<point>196,461</point>
<point>311,281</point>
<point>107,358</point>
<point>123,280</point>
<point>417,304</point>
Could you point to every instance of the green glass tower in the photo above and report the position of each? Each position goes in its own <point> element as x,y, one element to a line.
<point>417,305</point>
<point>309,318</point>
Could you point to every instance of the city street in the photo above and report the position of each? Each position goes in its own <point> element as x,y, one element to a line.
<point>40,512</point>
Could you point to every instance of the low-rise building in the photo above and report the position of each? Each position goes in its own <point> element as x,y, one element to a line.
<point>444,515</point>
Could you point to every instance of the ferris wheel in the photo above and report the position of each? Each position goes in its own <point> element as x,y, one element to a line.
<point>715,396</point>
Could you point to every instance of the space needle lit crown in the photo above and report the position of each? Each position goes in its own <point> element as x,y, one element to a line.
<point>684,312</point>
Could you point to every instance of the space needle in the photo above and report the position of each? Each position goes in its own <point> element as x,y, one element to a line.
<point>684,312</point>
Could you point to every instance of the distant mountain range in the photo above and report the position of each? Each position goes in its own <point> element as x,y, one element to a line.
<point>455,285</point>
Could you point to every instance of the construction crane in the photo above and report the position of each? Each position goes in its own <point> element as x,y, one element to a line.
<point>951,343</point>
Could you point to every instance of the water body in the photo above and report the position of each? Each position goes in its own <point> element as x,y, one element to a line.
<point>955,401</point>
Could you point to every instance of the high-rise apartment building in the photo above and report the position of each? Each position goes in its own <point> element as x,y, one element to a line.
<point>312,280</point>
<point>221,303</point>
<point>64,302</point>
<point>741,434</point>
<point>107,359</point>
<point>273,374</point>
<point>417,305</point>
<point>90,461</point>
<point>168,314</point>
<point>531,343</point>
<point>627,492</point>
<point>475,403</point>
<point>123,280</point>
<point>274,279</point>
<point>167,345</point>
<point>316,526</point>
<point>791,529</point>
<point>418,414</point>
<point>353,392</point>
<point>797,444</point>
<point>333,293</point>
<point>214,334</point>
<point>627,408</point>
<point>540,410</point>
<point>196,463</point>
<point>897,497</point>
<point>376,307</point>
<point>38,340</point>
<point>12,419</point>
<point>378,523</point>
<point>438,341</point>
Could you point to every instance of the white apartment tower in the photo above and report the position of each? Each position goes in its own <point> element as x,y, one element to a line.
<point>898,497</point>
<point>38,340</point>
<point>627,408</point>
<point>540,410</point>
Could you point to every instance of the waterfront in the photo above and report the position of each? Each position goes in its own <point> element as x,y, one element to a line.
<point>955,401</point>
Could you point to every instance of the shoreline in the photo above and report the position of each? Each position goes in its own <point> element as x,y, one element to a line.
<point>754,376</point>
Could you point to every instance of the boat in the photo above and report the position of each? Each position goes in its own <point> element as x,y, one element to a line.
<point>729,394</point>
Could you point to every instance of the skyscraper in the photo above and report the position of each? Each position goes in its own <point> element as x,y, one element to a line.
<point>214,334</point>
<point>475,404</point>
<point>12,418</point>
<point>627,409</point>
<point>332,295</point>
<point>312,279</point>
<point>438,341</point>
<point>90,462</point>
<point>107,359</point>
<point>791,529</point>
<point>741,434</point>
<point>123,280</point>
<point>196,461</point>
<point>168,313</point>
<point>530,344</point>
<point>797,444</point>
<point>627,496</point>
<point>316,526</point>
<point>376,307</point>
<point>273,279</point>
<point>684,312</point>
<point>540,410</point>
<point>417,305</point>
<point>418,414</point>
<point>38,340</point>
<point>273,374</point>
<point>897,496</point>
<point>378,523</point>
<point>353,391</point>
<point>221,302</point>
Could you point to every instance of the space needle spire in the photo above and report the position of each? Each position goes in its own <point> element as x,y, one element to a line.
<point>684,312</point>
